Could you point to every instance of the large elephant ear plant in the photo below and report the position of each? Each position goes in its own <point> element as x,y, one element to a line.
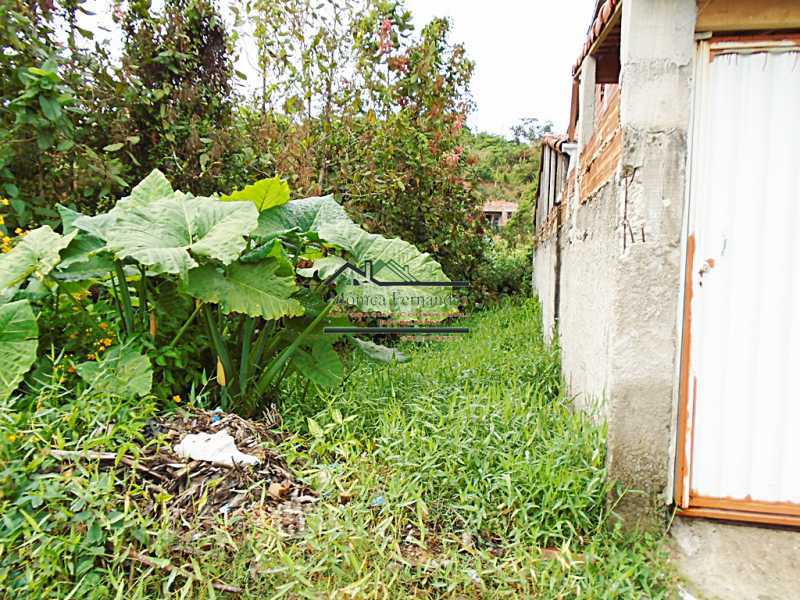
<point>251,266</point>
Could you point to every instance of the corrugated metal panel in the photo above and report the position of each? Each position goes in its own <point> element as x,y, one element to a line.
<point>744,332</point>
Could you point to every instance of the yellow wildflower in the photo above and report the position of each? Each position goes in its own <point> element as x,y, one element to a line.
<point>91,356</point>
<point>11,438</point>
<point>2,220</point>
<point>103,325</point>
<point>18,231</point>
<point>176,398</point>
<point>106,341</point>
<point>5,201</point>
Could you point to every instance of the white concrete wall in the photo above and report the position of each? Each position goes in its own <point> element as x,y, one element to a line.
<point>588,269</point>
<point>544,282</point>
<point>656,80</point>
<point>620,258</point>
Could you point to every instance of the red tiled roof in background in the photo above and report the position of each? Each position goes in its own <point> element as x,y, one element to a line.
<point>499,206</point>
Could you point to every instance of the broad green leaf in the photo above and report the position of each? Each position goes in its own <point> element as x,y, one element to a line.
<point>44,138</point>
<point>314,428</point>
<point>113,147</point>
<point>68,217</point>
<point>153,187</point>
<point>167,234</point>
<point>314,302</point>
<point>323,267</point>
<point>50,107</point>
<point>252,289</point>
<point>82,248</point>
<point>393,261</point>
<point>271,249</point>
<point>8,294</point>
<point>43,73</point>
<point>35,291</point>
<point>265,193</point>
<point>379,352</point>
<point>11,189</point>
<point>85,258</point>
<point>36,255</point>
<point>98,225</point>
<point>305,216</point>
<point>18,344</point>
<point>321,364</point>
<point>123,371</point>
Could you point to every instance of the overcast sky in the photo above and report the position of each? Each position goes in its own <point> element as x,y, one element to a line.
<point>523,50</point>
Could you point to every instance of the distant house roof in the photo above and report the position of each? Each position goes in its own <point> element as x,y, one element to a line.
<point>499,206</point>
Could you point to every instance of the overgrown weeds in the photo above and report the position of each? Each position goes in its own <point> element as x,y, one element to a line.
<point>62,526</point>
<point>463,473</point>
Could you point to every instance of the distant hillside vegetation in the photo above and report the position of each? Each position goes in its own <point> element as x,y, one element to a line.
<point>508,170</point>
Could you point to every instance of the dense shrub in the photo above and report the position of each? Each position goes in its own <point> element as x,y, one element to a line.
<point>505,272</point>
<point>363,108</point>
<point>234,285</point>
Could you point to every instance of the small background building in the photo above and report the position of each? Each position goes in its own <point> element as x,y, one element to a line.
<point>667,252</point>
<point>498,212</point>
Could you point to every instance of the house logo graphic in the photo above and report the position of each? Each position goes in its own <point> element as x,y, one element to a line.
<point>391,278</point>
<point>370,271</point>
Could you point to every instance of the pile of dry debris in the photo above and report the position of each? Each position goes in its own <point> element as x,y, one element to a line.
<point>197,490</point>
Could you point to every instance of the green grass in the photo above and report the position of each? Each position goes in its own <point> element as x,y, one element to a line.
<point>443,477</point>
<point>459,467</point>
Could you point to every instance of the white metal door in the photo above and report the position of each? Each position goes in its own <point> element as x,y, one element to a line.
<point>741,350</point>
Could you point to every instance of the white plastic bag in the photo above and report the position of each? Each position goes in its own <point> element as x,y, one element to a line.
<point>219,448</point>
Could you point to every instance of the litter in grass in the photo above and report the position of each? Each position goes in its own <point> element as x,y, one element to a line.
<point>218,448</point>
<point>216,482</point>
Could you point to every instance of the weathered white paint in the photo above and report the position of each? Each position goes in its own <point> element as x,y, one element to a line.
<point>620,261</point>
<point>744,375</point>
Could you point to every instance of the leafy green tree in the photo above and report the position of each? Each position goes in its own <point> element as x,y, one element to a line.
<point>58,106</point>
<point>403,167</point>
<point>508,170</point>
<point>178,67</point>
<point>353,102</point>
<point>531,130</point>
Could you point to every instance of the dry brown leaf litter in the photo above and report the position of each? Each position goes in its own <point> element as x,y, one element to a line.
<point>194,492</point>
